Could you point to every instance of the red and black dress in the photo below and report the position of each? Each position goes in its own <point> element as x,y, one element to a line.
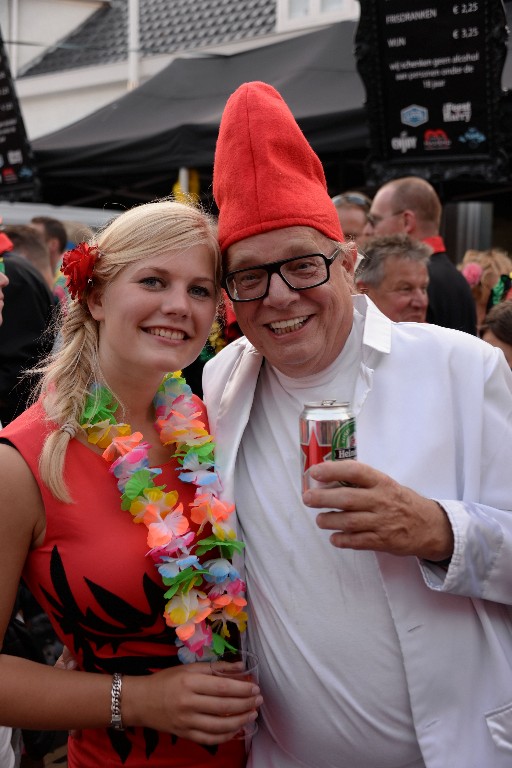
<point>104,598</point>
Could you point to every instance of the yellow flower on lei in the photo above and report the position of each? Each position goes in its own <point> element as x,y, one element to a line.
<point>154,499</point>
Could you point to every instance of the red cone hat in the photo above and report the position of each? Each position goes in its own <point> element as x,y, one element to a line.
<point>266,175</point>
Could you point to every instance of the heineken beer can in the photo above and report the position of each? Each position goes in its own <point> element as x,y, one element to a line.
<point>327,431</point>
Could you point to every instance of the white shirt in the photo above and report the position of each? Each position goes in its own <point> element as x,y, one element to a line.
<point>6,752</point>
<point>452,441</point>
<point>316,634</point>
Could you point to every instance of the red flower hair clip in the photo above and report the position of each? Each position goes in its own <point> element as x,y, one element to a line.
<point>78,266</point>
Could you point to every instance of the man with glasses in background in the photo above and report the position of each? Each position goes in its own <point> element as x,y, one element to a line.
<point>353,209</point>
<point>372,595</point>
<point>411,205</point>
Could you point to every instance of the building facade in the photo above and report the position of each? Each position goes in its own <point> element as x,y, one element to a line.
<point>71,57</point>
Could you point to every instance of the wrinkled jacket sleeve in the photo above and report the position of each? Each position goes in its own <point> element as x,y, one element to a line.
<point>481,565</point>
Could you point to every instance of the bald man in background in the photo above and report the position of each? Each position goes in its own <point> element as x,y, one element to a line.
<point>411,205</point>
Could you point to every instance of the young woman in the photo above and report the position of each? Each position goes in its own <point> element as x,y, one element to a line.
<point>107,502</point>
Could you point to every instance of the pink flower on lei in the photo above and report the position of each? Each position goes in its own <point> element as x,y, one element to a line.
<point>127,465</point>
<point>206,508</point>
<point>180,544</point>
<point>161,531</point>
<point>234,588</point>
<point>123,445</point>
<point>197,647</point>
<point>181,426</point>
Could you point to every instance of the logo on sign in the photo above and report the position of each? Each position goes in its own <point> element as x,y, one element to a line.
<point>404,142</point>
<point>436,140</point>
<point>457,113</point>
<point>9,176</point>
<point>14,156</point>
<point>25,173</point>
<point>414,115</point>
<point>472,138</point>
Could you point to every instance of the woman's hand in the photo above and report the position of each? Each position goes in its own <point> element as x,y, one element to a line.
<point>186,700</point>
<point>190,702</point>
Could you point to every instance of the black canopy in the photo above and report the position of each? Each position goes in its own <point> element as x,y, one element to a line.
<point>135,145</point>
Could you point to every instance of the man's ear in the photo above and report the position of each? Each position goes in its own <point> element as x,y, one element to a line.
<point>349,257</point>
<point>410,224</point>
<point>95,303</point>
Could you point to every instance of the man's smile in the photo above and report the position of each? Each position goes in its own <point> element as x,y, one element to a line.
<point>280,327</point>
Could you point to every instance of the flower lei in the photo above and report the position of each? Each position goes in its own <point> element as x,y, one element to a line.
<point>78,266</point>
<point>202,599</point>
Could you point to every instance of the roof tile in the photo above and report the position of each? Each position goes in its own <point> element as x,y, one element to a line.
<point>166,26</point>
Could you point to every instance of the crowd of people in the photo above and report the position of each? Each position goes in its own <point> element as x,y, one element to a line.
<point>157,532</point>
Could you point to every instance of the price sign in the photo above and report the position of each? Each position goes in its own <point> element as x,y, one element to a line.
<point>432,72</point>
<point>17,174</point>
<point>466,7</point>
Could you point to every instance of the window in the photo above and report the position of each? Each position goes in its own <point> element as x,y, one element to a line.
<point>294,14</point>
<point>298,8</point>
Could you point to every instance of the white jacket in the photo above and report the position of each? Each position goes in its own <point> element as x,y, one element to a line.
<point>434,411</point>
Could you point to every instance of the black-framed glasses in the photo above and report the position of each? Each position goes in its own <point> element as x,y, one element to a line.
<point>353,198</point>
<point>299,273</point>
<point>373,219</point>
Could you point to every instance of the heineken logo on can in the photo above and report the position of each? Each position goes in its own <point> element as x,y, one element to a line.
<point>327,431</point>
<point>344,441</point>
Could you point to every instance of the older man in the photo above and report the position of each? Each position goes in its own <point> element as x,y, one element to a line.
<point>380,610</point>
<point>394,275</point>
<point>411,205</point>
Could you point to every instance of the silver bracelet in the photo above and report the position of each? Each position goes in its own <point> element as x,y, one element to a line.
<point>115,705</point>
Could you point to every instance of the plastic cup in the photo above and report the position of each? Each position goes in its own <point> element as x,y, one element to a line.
<point>239,665</point>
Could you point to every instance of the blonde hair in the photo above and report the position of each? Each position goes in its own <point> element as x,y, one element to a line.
<point>152,229</point>
<point>494,262</point>
<point>77,232</point>
<point>495,256</point>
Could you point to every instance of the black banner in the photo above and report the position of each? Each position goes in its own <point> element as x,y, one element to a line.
<point>17,170</point>
<point>432,71</point>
